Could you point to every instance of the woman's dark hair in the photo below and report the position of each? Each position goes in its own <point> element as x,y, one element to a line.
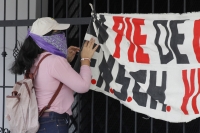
<point>28,52</point>
<point>26,56</point>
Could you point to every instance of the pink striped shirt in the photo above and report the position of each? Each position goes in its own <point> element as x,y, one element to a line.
<point>52,70</point>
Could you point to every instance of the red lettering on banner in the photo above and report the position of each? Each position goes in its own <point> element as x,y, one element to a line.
<point>140,40</point>
<point>196,44</point>
<point>128,36</point>
<point>189,90</point>
<point>118,39</point>
<point>194,100</point>
<point>135,40</point>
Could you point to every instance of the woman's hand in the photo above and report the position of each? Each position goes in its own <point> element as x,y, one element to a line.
<point>71,52</point>
<point>88,50</point>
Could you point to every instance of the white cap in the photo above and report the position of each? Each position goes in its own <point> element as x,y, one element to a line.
<point>46,24</point>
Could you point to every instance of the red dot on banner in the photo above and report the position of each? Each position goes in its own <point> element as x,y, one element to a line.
<point>168,108</point>
<point>93,81</point>
<point>111,90</point>
<point>129,99</point>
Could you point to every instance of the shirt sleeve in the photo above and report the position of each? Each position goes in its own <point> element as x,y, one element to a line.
<point>62,71</point>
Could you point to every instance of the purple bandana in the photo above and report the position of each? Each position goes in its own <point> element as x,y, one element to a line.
<point>55,44</point>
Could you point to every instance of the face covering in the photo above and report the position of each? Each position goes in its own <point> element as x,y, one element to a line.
<point>58,41</point>
<point>55,44</point>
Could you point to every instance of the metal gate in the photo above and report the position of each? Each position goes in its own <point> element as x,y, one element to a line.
<point>94,112</point>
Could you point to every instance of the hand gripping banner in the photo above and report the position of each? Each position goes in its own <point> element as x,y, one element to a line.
<point>149,62</point>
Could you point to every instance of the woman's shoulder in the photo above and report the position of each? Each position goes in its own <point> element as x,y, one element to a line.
<point>52,58</point>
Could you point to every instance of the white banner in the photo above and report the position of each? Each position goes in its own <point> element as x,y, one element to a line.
<point>149,62</point>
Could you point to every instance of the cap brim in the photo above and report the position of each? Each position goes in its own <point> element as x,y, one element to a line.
<point>61,27</point>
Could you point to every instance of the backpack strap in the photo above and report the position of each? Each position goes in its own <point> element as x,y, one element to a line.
<point>52,99</point>
<point>30,75</point>
<point>39,64</point>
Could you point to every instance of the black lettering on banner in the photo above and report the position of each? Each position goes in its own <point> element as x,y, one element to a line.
<point>124,81</point>
<point>105,69</point>
<point>153,103</point>
<point>93,61</point>
<point>157,92</point>
<point>139,76</point>
<point>169,56</point>
<point>91,30</point>
<point>164,107</point>
<point>101,27</point>
<point>177,39</point>
<point>139,97</point>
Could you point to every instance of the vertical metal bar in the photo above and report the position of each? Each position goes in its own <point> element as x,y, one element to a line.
<point>152,118</point>
<point>167,127</point>
<point>183,127</point>
<point>67,4</point>
<point>122,7</point>
<point>108,6</point>
<point>4,62</point>
<point>199,126</point>
<point>168,6</point>
<point>41,9</point>
<point>106,120</point>
<point>184,5</point>
<point>152,6</point>
<point>120,129</point>
<point>120,124</point>
<point>151,125</point>
<point>78,95</point>
<point>92,106</point>
<point>28,14</point>
<point>168,10</point>
<point>92,113</point>
<point>137,6</point>
<point>80,14</point>
<point>94,4</point>
<point>137,11</point>
<point>53,9</point>
<point>135,131</point>
<point>16,17</point>
<point>28,9</point>
<point>184,10</point>
<point>28,4</point>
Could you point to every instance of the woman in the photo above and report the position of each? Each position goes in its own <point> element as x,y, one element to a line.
<point>46,37</point>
